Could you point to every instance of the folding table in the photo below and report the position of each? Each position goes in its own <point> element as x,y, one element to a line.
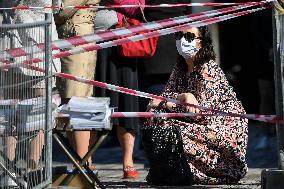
<point>79,163</point>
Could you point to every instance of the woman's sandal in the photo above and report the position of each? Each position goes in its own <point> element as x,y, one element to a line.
<point>130,173</point>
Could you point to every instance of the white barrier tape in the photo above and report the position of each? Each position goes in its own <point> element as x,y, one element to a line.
<point>129,6</point>
<point>92,47</point>
<point>263,118</point>
<point>257,117</point>
<point>121,32</point>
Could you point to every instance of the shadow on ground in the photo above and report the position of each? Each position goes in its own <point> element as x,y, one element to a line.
<point>262,146</point>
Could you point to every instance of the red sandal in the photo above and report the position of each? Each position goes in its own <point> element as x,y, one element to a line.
<point>130,173</point>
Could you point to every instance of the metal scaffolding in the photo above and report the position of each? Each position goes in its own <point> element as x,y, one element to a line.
<point>25,112</point>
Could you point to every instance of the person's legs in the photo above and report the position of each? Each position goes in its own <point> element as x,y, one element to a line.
<point>11,143</point>
<point>82,141</point>
<point>36,144</point>
<point>266,107</point>
<point>36,147</point>
<point>126,140</point>
<point>92,140</point>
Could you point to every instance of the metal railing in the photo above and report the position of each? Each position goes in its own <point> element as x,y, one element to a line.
<point>278,24</point>
<point>274,178</point>
<point>25,112</point>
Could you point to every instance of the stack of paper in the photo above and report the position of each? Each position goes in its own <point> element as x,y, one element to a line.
<point>88,112</point>
<point>7,112</point>
<point>31,114</point>
<point>27,115</point>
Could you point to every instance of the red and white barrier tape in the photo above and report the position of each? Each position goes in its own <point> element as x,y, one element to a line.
<point>129,6</point>
<point>257,117</point>
<point>156,33</point>
<point>121,32</point>
<point>263,118</point>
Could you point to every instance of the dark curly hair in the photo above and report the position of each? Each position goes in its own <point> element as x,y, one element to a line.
<point>205,53</point>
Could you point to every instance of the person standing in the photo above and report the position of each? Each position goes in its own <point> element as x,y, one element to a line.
<point>117,70</point>
<point>19,83</point>
<point>75,22</point>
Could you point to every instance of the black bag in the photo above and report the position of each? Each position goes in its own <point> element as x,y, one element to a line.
<point>164,150</point>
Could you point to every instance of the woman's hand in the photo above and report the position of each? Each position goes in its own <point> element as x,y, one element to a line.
<point>190,99</point>
<point>170,106</point>
<point>153,104</point>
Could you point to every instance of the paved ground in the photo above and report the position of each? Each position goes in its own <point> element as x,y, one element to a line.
<point>110,175</point>
<point>110,172</point>
<point>262,153</point>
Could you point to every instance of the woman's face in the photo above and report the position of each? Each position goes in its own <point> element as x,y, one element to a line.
<point>188,42</point>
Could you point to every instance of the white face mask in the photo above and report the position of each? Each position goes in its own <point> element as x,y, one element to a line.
<point>186,49</point>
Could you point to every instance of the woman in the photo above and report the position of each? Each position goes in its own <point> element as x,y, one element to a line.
<point>121,71</point>
<point>21,84</point>
<point>202,150</point>
<point>70,23</point>
<point>34,83</point>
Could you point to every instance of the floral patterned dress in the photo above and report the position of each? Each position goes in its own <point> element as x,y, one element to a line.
<point>214,146</point>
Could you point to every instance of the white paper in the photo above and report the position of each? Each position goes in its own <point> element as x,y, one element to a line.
<point>90,103</point>
<point>88,113</point>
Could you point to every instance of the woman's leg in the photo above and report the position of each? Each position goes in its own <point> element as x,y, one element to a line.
<point>82,141</point>
<point>36,149</point>
<point>214,151</point>
<point>126,140</point>
<point>11,143</point>
<point>37,143</point>
<point>93,138</point>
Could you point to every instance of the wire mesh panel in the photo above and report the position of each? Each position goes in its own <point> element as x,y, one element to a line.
<point>25,155</point>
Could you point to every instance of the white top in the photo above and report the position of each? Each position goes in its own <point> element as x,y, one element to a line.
<point>35,35</point>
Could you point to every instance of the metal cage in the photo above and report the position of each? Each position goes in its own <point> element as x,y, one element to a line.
<point>25,107</point>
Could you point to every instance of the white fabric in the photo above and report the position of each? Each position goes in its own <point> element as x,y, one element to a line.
<point>1,18</point>
<point>186,49</point>
<point>36,36</point>
<point>105,19</point>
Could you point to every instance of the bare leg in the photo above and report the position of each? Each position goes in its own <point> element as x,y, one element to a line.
<point>36,149</point>
<point>37,143</point>
<point>11,143</point>
<point>81,142</point>
<point>91,142</point>
<point>126,140</point>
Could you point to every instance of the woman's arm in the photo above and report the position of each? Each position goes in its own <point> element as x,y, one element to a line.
<point>206,93</point>
<point>210,87</point>
<point>169,92</point>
